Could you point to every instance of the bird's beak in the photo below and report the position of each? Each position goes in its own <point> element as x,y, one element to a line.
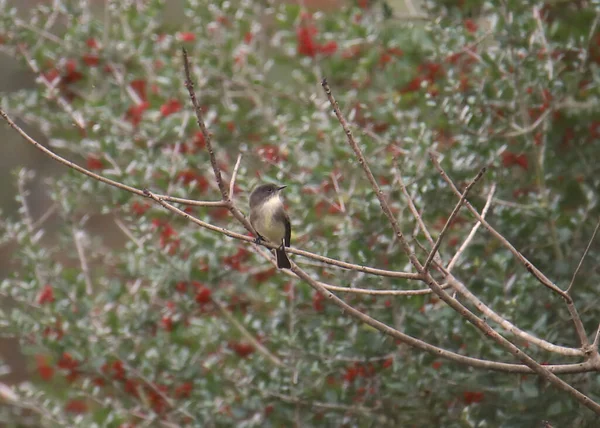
<point>281,188</point>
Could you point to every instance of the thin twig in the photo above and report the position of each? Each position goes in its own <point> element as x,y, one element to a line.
<point>528,265</point>
<point>530,128</point>
<point>38,31</point>
<point>467,241</point>
<point>77,237</point>
<point>168,401</point>
<point>234,176</point>
<point>189,84</point>
<point>462,199</point>
<point>540,25</point>
<point>40,221</point>
<point>352,290</point>
<point>596,339</point>
<point>24,175</point>
<point>413,209</point>
<point>127,232</point>
<point>583,257</point>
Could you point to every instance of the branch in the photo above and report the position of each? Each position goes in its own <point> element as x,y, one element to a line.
<point>414,211</point>
<point>234,175</point>
<point>437,289</point>
<point>528,265</point>
<point>467,241</point>
<point>365,166</point>
<point>95,176</point>
<point>507,325</point>
<point>189,84</point>
<point>384,328</point>
<point>583,257</point>
<point>77,237</point>
<point>451,218</point>
<point>166,198</point>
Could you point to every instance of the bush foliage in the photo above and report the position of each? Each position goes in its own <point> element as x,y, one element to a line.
<point>157,330</point>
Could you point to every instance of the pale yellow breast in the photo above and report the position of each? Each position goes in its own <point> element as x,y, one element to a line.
<point>265,224</point>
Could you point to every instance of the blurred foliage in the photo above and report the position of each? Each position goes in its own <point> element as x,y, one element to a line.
<point>483,83</point>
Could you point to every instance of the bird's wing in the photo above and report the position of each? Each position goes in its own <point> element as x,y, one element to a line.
<point>288,231</point>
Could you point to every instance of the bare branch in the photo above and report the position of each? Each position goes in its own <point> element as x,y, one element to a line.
<point>467,241</point>
<point>507,325</point>
<point>451,218</point>
<point>583,257</point>
<point>596,339</point>
<point>528,265</point>
<point>234,176</point>
<point>437,289</point>
<point>413,210</point>
<point>189,84</point>
<point>99,177</point>
<point>365,166</point>
<point>384,328</point>
<point>77,237</point>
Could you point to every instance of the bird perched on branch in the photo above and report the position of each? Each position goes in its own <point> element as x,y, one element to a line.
<point>268,217</point>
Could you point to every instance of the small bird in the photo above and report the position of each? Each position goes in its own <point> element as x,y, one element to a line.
<point>268,217</point>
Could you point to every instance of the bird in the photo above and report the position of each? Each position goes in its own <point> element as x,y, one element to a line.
<point>271,222</point>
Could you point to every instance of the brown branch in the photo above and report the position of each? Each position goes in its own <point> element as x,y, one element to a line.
<point>365,166</point>
<point>95,176</point>
<point>413,210</point>
<point>583,257</point>
<point>166,198</point>
<point>234,176</point>
<point>451,218</point>
<point>471,235</point>
<point>507,325</point>
<point>596,339</point>
<point>528,265</point>
<point>488,312</point>
<point>384,328</point>
<point>437,289</point>
<point>189,84</point>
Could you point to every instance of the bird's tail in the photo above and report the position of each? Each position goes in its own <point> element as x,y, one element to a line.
<point>282,259</point>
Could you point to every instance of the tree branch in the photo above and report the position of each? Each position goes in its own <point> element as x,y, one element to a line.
<point>451,218</point>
